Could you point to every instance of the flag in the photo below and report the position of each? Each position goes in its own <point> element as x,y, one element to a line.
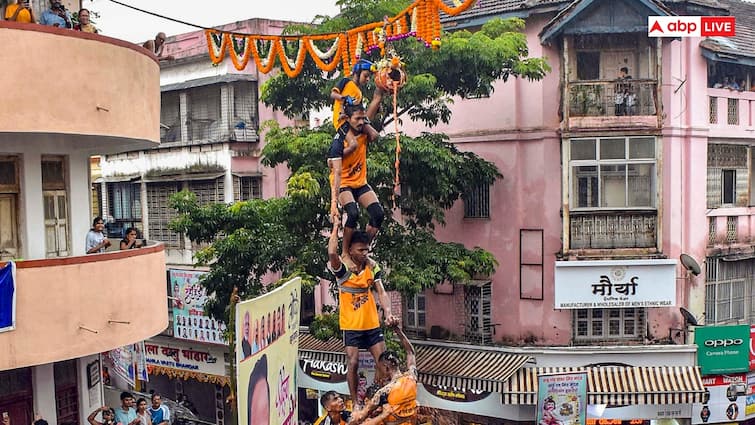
<point>8,297</point>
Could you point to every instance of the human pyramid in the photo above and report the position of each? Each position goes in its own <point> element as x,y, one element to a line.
<point>393,400</point>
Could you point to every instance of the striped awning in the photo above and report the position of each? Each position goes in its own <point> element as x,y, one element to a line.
<point>475,368</point>
<point>617,385</point>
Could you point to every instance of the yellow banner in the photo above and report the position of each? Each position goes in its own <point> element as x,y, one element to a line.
<point>267,343</point>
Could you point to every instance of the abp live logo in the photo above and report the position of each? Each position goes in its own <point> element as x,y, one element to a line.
<point>691,26</point>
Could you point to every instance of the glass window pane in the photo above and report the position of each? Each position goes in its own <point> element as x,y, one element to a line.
<point>640,178</point>
<point>597,328</point>
<point>614,327</point>
<point>612,148</point>
<point>613,185</point>
<point>421,319</point>
<point>583,149</point>
<point>642,148</point>
<point>629,328</point>
<point>584,187</point>
<point>582,314</point>
<point>582,328</point>
<point>597,313</point>
<point>421,302</point>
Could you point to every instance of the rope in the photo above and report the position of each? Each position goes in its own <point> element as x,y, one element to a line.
<point>396,179</point>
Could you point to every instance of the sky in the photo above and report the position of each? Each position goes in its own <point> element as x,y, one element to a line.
<point>121,22</point>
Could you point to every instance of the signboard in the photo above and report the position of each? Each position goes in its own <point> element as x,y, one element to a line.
<point>324,371</point>
<point>93,374</point>
<point>189,319</point>
<point>266,365</point>
<point>456,394</point>
<point>123,363</point>
<point>723,349</point>
<point>615,284</point>
<point>203,360</point>
<point>562,399</point>
<point>724,405</point>
<point>752,348</point>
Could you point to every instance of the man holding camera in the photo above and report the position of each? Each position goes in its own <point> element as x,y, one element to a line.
<point>20,11</point>
<point>56,16</point>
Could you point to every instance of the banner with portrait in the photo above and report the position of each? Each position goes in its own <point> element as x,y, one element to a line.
<point>562,399</point>
<point>267,343</point>
<point>189,319</point>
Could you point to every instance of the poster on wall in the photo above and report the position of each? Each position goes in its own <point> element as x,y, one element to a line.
<point>123,363</point>
<point>562,399</point>
<point>267,340</point>
<point>189,319</point>
<point>727,403</point>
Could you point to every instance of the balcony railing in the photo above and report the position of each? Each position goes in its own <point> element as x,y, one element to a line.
<point>731,113</point>
<point>612,229</point>
<point>612,98</point>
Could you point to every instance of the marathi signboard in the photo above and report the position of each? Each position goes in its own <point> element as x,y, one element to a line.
<point>723,349</point>
<point>615,284</point>
<point>189,319</point>
<point>562,399</point>
<point>267,361</point>
<point>725,403</point>
<point>185,361</point>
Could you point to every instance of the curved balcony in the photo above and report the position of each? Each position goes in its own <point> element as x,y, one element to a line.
<point>77,91</point>
<point>76,306</point>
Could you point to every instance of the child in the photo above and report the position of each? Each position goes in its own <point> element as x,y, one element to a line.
<point>350,90</point>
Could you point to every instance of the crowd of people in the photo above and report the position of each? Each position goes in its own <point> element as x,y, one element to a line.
<point>154,414</point>
<point>733,83</point>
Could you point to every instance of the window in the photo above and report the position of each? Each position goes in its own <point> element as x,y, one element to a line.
<point>613,172</point>
<point>160,214</point>
<point>170,117</point>
<point>208,191</point>
<point>204,113</point>
<point>478,323</point>
<point>246,188</point>
<point>477,202</point>
<point>608,324</point>
<point>728,186</point>
<point>125,207</point>
<point>729,291</point>
<point>244,105</point>
<point>9,190</point>
<point>414,320</point>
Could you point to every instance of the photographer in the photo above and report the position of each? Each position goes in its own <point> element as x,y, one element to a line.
<point>56,16</point>
<point>20,11</point>
<point>108,416</point>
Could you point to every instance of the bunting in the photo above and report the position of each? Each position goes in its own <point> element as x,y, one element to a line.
<point>420,20</point>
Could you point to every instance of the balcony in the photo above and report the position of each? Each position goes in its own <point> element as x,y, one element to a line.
<point>77,91</point>
<point>612,229</point>
<point>731,113</point>
<point>77,306</point>
<point>594,103</point>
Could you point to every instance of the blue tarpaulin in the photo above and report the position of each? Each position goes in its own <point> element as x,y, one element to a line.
<point>8,297</point>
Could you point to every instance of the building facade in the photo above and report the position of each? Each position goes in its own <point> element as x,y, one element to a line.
<point>69,306</point>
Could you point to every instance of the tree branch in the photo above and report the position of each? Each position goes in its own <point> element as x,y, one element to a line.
<point>400,113</point>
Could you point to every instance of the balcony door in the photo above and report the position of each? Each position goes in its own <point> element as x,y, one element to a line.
<point>9,189</point>
<point>55,202</point>
<point>611,61</point>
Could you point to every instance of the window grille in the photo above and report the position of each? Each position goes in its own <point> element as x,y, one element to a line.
<point>204,114</point>
<point>732,116</point>
<point>713,110</point>
<point>477,202</point>
<point>729,291</point>
<point>125,207</point>
<point>608,324</point>
<point>170,117</point>
<point>208,191</point>
<point>246,188</point>
<point>244,120</point>
<point>731,229</point>
<point>711,231</point>
<point>160,214</point>
<point>478,324</point>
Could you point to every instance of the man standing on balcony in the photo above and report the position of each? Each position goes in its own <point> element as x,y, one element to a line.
<point>622,91</point>
<point>56,16</point>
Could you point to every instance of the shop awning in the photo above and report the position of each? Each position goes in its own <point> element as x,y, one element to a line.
<point>473,368</point>
<point>617,385</point>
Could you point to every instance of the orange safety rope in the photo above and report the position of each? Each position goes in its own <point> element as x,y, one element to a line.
<point>396,179</point>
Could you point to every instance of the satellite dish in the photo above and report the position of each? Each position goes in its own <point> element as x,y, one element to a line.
<point>690,264</point>
<point>689,318</point>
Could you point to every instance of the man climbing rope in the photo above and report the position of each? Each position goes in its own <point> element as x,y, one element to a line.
<point>358,314</point>
<point>348,177</point>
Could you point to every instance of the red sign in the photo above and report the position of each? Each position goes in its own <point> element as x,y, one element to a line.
<point>718,26</point>
<point>721,380</point>
<point>752,348</point>
<point>691,26</point>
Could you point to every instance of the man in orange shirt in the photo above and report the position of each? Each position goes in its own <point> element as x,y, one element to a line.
<point>348,178</point>
<point>20,12</point>
<point>358,314</point>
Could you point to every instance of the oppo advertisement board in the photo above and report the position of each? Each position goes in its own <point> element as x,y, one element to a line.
<point>723,349</point>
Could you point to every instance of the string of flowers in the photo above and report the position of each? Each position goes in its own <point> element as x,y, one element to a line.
<point>421,19</point>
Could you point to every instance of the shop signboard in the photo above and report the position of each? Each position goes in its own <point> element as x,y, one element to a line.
<point>185,360</point>
<point>615,284</point>
<point>562,399</point>
<point>267,365</point>
<point>723,349</point>
<point>324,371</point>
<point>456,394</point>
<point>726,404</point>
<point>189,319</point>
<point>752,348</point>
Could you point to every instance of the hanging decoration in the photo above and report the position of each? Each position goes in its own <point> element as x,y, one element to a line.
<point>420,20</point>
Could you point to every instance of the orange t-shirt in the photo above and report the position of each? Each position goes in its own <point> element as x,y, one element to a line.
<point>345,87</point>
<point>23,16</point>
<point>353,165</point>
<point>403,397</point>
<point>357,306</point>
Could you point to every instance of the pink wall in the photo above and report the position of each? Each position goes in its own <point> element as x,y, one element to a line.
<point>57,296</point>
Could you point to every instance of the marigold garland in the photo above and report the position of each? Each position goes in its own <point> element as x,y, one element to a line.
<point>420,19</point>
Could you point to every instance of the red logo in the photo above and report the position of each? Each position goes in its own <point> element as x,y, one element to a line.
<point>718,26</point>
<point>656,27</point>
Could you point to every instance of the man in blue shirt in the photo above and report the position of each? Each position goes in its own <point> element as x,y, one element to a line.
<point>126,415</point>
<point>56,15</point>
<point>160,412</point>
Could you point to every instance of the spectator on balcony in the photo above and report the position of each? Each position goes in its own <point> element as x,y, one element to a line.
<point>96,240</point>
<point>130,241</point>
<point>85,25</point>
<point>157,45</point>
<point>621,91</point>
<point>56,16</point>
<point>730,83</point>
<point>20,11</point>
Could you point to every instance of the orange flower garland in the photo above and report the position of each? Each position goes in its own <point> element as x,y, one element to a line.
<point>420,19</point>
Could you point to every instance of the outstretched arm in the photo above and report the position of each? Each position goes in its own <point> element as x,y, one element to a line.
<point>411,359</point>
<point>333,258</point>
<point>335,165</point>
<point>92,415</point>
<point>374,105</point>
<point>385,301</point>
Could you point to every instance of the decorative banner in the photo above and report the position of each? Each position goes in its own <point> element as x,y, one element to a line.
<point>725,403</point>
<point>562,399</point>
<point>420,20</point>
<point>615,284</point>
<point>267,337</point>
<point>123,363</point>
<point>723,349</point>
<point>189,319</point>
<point>140,360</point>
<point>8,297</point>
<point>203,363</point>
